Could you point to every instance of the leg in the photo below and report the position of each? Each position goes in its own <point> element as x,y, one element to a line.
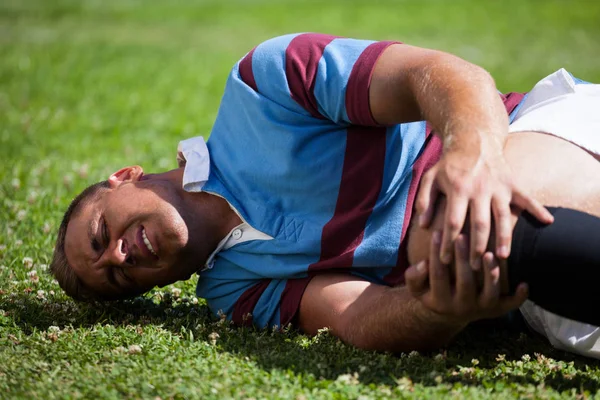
<point>560,262</point>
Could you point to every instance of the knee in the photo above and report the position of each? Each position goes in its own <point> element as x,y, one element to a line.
<point>419,238</point>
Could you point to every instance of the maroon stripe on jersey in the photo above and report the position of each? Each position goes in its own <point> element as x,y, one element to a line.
<point>429,157</point>
<point>357,91</point>
<point>301,61</point>
<point>362,177</point>
<point>246,303</point>
<point>290,300</point>
<point>511,100</point>
<point>431,154</point>
<point>246,71</point>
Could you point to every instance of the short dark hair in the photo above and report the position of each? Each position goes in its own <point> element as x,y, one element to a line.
<point>60,267</point>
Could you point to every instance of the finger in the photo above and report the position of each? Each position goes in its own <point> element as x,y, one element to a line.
<point>416,278</point>
<point>480,218</point>
<point>510,303</point>
<point>465,284</point>
<point>438,273</point>
<point>456,211</point>
<point>533,206</point>
<point>502,220</point>
<point>426,198</point>
<point>490,293</point>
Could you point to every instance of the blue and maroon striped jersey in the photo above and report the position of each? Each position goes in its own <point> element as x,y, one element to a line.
<point>297,152</point>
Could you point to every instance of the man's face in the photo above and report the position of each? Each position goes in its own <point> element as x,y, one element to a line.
<point>131,236</point>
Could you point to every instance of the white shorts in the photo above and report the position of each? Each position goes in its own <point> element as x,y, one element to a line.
<point>563,333</point>
<point>560,107</point>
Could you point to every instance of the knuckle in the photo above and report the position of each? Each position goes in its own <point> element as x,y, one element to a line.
<point>502,213</point>
<point>444,308</point>
<point>460,187</point>
<point>454,224</point>
<point>504,238</point>
<point>438,306</point>
<point>477,251</point>
<point>502,201</point>
<point>421,204</point>
<point>480,225</point>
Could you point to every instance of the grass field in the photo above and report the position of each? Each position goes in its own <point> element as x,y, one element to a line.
<point>89,86</point>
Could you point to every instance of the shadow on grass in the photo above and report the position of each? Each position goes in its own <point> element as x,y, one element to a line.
<point>484,354</point>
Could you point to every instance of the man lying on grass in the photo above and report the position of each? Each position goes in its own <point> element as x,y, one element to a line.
<point>322,183</point>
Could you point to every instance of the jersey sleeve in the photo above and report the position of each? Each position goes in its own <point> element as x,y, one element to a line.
<point>322,76</point>
<point>246,299</point>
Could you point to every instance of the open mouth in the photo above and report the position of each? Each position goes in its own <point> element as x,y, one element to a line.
<point>147,245</point>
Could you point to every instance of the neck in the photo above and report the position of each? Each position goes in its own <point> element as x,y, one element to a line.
<point>224,218</point>
<point>210,218</point>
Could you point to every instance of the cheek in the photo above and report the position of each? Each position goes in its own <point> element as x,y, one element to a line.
<point>161,215</point>
<point>155,209</point>
<point>171,224</point>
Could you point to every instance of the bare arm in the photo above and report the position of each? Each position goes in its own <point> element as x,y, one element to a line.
<point>372,317</point>
<point>461,102</point>
<point>437,303</point>
<point>458,98</point>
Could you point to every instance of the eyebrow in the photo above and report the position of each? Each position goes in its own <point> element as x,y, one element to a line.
<point>91,237</point>
<point>109,272</point>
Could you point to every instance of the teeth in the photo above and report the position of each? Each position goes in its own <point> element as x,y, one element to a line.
<point>147,242</point>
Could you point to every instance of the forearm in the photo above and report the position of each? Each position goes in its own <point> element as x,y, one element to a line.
<point>457,98</point>
<point>393,320</point>
<point>461,102</point>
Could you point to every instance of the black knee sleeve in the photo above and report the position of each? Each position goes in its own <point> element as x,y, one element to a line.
<point>560,262</point>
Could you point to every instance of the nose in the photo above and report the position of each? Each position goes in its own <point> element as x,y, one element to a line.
<point>119,253</point>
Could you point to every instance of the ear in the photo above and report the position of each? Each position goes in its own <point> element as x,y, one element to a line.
<point>127,174</point>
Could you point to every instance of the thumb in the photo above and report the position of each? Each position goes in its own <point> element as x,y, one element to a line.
<point>416,278</point>
<point>515,301</point>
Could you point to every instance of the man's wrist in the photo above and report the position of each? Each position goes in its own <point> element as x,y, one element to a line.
<point>450,323</point>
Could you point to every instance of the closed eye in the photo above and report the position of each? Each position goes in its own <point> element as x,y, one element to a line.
<point>95,245</point>
<point>105,235</point>
<point>123,275</point>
